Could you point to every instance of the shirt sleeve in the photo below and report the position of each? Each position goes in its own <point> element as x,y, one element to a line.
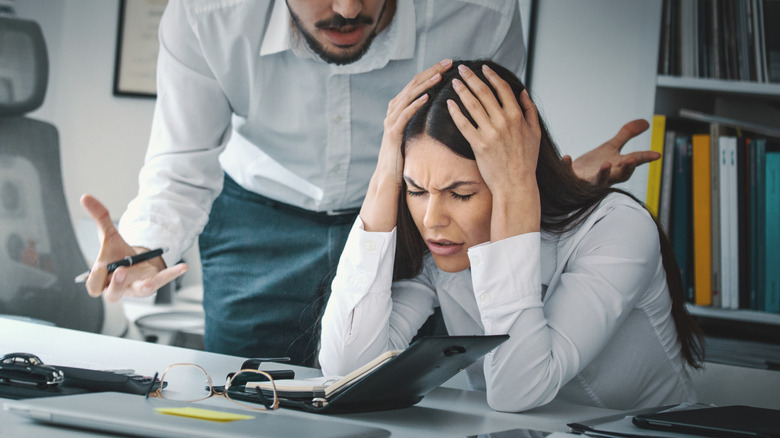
<point>367,314</point>
<point>549,344</point>
<point>181,175</point>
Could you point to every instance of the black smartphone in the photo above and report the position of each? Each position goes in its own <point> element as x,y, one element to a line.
<point>513,433</point>
<point>254,363</point>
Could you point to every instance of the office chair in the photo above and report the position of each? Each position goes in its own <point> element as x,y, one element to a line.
<point>39,252</point>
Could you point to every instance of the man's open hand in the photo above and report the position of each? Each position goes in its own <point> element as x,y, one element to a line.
<point>605,165</point>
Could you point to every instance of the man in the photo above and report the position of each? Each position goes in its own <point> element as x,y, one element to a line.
<point>266,131</point>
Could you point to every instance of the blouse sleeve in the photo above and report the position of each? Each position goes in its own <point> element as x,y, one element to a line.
<point>366,313</point>
<point>609,269</point>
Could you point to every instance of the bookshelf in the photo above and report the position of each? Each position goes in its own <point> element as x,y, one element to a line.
<point>736,315</point>
<point>748,325</point>
<point>753,103</point>
<point>746,89</point>
<point>742,100</point>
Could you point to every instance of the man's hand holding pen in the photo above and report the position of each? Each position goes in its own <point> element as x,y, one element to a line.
<point>137,272</point>
<point>127,261</point>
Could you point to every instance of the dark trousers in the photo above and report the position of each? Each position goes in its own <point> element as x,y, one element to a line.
<point>267,268</point>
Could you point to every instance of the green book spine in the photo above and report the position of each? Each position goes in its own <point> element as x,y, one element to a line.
<point>681,215</point>
<point>772,227</point>
<point>757,235</point>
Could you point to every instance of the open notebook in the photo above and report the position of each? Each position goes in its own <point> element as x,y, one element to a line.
<point>324,387</point>
<point>395,379</point>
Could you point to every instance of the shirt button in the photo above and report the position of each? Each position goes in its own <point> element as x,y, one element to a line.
<point>484,297</point>
<point>337,119</point>
<point>370,245</point>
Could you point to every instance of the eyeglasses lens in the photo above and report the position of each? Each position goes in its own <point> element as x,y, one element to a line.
<point>186,382</point>
<point>238,392</point>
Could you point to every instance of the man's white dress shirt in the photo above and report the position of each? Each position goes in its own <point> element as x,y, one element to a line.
<point>239,92</point>
<point>588,313</point>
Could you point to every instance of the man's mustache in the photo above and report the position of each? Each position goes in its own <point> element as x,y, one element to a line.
<point>337,22</point>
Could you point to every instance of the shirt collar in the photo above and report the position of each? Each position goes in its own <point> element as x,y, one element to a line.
<point>406,34</point>
<point>401,33</point>
<point>278,35</point>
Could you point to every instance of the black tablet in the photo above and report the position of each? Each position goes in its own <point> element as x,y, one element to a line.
<point>723,421</point>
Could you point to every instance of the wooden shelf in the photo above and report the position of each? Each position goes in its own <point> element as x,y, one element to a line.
<point>751,316</point>
<point>755,89</point>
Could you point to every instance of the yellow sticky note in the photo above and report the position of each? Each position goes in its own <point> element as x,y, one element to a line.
<point>204,414</point>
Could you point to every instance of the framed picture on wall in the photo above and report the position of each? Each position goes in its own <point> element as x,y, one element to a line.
<point>136,47</point>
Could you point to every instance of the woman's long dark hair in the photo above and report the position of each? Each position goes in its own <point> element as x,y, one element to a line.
<point>566,200</point>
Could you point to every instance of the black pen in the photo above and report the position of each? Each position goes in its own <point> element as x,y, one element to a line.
<point>127,261</point>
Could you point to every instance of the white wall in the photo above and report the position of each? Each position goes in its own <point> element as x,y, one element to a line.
<point>103,137</point>
<point>594,69</point>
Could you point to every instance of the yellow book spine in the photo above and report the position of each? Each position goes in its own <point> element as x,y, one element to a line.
<point>654,170</point>
<point>702,221</point>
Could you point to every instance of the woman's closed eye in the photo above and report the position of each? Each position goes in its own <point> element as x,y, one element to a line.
<point>460,197</point>
<point>455,195</point>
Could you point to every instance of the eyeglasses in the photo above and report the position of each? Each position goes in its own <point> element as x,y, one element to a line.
<point>184,382</point>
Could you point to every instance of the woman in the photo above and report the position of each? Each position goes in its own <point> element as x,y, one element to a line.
<point>472,209</point>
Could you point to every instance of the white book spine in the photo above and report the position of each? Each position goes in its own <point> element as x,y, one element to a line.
<point>665,203</point>
<point>725,239</point>
<point>734,223</point>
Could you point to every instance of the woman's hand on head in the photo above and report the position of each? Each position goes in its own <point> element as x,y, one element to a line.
<point>506,138</point>
<point>506,147</point>
<point>378,212</point>
<point>399,111</point>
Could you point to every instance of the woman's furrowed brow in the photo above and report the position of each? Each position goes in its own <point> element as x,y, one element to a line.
<point>411,182</point>
<point>452,186</point>
<point>457,184</point>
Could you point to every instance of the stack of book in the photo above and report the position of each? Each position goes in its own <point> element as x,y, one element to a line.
<point>716,193</point>
<point>721,39</point>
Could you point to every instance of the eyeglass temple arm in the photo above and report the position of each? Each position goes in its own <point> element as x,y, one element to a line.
<point>151,386</point>
<point>263,399</point>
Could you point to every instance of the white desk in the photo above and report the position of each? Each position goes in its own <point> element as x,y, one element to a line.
<point>445,412</point>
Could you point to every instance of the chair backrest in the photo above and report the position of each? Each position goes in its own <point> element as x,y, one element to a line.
<point>39,252</point>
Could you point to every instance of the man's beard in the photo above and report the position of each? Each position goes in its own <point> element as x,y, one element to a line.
<point>338,22</point>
